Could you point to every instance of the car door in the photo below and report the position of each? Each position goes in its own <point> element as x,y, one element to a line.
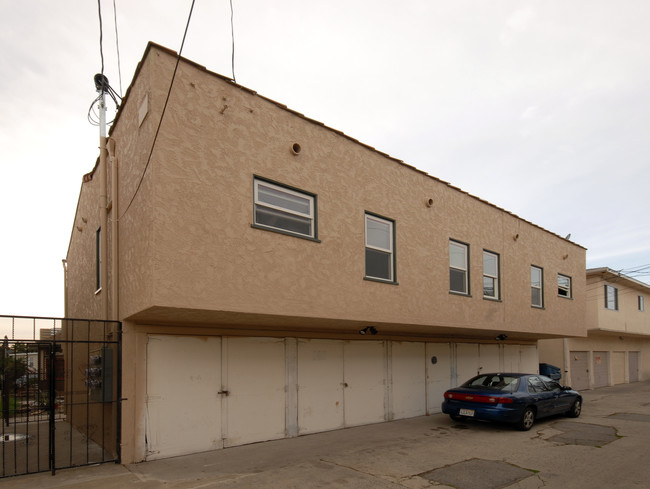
<point>541,396</point>
<point>562,399</point>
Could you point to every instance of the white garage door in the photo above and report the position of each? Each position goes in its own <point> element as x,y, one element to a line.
<point>320,385</point>
<point>254,376</point>
<point>489,358</point>
<point>633,365</point>
<point>183,408</point>
<point>208,392</point>
<point>408,379</point>
<point>467,361</point>
<point>438,369</point>
<point>364,376</point>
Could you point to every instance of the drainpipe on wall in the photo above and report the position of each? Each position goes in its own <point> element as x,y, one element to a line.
<point>64,262</point>
<point>103,206</point>
<point>565,344</point>
<point>115,279</point>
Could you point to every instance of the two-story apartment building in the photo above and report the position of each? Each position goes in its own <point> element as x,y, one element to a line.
<point>276,277</point>
<point>618,334</point>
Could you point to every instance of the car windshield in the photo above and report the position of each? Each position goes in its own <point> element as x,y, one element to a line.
<point>493,382</point>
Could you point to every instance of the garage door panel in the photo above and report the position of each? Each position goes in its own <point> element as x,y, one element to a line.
<point>618,367</point>
<point>408,379</point>
<point>255,380</point>
<point>320,385</point>
<point>364,374</point>
<point>438,371</point>
<point>601,368</point>
<point>183,408</point>
<point>467,361</point>
<point>529,359</point>
<point>489,358</point>
<point>579,361</point>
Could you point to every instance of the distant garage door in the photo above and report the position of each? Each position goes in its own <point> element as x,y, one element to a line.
<point>579,369</point>
<point>618,367</point>
<point>633,362</point>
<point>601,368</point>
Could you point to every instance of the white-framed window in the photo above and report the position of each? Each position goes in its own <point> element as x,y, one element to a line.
<point>537,286</point>
<point>284,209</point>
<point>490,275</point>
<point>380,244</point>
<point>611,297</point>
<point>458,267</point>
<point>641,303</point>
<point>564,286</point>
<point>98,259</point>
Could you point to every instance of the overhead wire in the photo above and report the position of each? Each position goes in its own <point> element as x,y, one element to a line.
<point>101,34</point>
<point>162,115</point>
<point>232,36</point>
<point>117,45</point>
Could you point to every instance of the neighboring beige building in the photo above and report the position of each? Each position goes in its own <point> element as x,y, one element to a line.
<point>618,335</point>
<point>246,247</point>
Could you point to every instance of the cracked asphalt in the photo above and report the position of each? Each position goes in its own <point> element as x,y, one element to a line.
<point>605,447</point>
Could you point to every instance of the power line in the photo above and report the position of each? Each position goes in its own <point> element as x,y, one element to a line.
<point>117,44</point>
<point>101,34</point>
<point>162,115</point>
<point>232,36</point>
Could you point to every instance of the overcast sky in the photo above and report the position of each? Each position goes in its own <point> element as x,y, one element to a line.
<point>540,107</point>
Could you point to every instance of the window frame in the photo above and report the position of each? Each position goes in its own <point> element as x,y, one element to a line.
<point>496,278</point>
<point>465,246</point>
<point>540,288</point>
<point>390,251</point>
<point>569,289</point>
<point>98,259</point>
<point>615,290</point>
<point>287,189</point>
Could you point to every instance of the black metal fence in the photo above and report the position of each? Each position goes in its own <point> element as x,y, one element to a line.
<point>60,393</point>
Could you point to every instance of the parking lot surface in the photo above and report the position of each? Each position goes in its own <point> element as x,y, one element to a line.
<point>607,446</point>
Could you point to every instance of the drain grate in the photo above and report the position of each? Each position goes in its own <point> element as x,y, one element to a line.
<point>478,474</point>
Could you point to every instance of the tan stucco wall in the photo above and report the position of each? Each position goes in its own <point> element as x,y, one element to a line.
<point>187,242</point>
<point>628,318</point>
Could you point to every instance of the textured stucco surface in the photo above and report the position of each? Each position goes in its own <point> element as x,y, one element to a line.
<point>186,243</point>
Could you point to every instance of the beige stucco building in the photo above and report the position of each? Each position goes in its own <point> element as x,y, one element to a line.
<point>276,277</point>
<point>618,335</point>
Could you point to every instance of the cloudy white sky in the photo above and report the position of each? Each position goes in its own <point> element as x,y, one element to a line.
<point>540,107</point>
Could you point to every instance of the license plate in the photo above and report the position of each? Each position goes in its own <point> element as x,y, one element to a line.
<point>466,412</point>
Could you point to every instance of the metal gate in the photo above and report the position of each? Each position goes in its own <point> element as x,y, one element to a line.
<point>60,393</point>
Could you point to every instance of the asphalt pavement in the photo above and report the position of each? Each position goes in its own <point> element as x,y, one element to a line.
<point>607,446</point>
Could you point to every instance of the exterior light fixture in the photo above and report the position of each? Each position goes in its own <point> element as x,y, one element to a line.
<point>368,330</point>
<point>501,337</point>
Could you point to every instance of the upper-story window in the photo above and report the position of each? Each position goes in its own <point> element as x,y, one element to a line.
<point>380,244</point>
<point>537,286</point>
<point>458,267</point>
<point>490,275</point>
<point>611,297</point>
<point>641,303</point>
<point>98,259</point>
<point>564,286</point>
<point>284,209</point>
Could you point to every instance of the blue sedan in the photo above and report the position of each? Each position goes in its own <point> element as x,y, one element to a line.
<point>512,398</point>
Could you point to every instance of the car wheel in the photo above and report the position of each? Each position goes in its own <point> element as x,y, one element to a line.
<point>576,409</point>
<point>527,419</point>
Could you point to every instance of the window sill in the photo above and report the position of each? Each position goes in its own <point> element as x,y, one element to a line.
<point>389,282</point>
<point>286,233</point>
<point>537,307</point>
<point>492,299</point>
<point>565,297</point>
<point>461,294</point>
